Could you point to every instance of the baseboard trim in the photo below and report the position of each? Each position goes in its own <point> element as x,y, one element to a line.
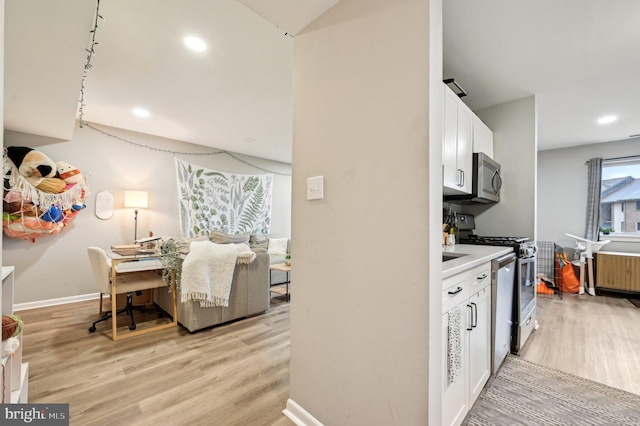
<point>54,302</point>
<point>299,415</point>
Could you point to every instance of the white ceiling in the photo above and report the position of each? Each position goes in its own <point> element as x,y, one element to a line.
<point>579,57</point>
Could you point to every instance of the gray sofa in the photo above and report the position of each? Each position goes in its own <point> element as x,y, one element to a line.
<point>249,296</point>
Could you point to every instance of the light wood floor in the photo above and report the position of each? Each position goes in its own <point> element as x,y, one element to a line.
<point>597,338</point>
<point>237,374</point>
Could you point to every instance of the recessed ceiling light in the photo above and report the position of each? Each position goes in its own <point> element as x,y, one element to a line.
<point>607,119</point>
<point>141,112</point>
<point>195,43</point>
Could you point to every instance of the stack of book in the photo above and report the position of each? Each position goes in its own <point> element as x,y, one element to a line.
<point>126,249</point>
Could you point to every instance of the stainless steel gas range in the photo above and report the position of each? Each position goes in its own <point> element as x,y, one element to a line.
<point>524,290</point>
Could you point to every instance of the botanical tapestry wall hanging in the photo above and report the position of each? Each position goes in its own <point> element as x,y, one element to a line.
<point>227,202</point>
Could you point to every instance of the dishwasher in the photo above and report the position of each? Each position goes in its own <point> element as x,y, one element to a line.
<point>503,271</point>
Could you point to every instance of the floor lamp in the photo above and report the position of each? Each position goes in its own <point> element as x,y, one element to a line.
<point>136,200</point>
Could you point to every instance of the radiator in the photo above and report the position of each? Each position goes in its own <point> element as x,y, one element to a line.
<point>618,271</point>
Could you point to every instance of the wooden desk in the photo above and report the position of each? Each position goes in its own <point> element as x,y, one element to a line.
<point>282,267</point>
<point>120,267</point>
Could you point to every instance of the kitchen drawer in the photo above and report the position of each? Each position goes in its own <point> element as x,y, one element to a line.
<point>479,277</point>
<point>456,293</point>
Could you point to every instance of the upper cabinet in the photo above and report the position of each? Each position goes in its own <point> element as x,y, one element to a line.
<point>464,133</point>
<point>482,137</point>
<point>457,145</point>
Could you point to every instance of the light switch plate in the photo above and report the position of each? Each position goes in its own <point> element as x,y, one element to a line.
<point>315,188</point>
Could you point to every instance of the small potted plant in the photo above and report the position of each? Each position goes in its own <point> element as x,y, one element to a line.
<point>606,231</point>
<point>287,259</point>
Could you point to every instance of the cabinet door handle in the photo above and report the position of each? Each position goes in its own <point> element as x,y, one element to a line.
<point>474,311</point>
<point>462,171</point>
<point>456,291</point>
<point>471,325</point>
<point>481,277</point>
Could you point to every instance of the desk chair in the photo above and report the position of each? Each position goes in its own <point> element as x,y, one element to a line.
<point>129,283</point>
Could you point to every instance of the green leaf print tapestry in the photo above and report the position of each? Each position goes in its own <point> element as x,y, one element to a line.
<point>227,202</point>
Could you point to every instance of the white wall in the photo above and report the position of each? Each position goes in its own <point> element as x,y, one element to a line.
<point>1,90</point>
<point>57,266</point>
<point>436,120</point>
<point>514,126</point>
<point>562,194</point>
<point>360,319</point>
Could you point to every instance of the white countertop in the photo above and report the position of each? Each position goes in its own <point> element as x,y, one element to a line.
<point>475,255</point>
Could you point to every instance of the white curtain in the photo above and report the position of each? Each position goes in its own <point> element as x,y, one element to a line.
<point>592,229</point>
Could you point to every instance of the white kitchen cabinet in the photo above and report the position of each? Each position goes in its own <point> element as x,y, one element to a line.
<point>479,342</point>
<point>470,292</point>
<point>457,154</point>
<point>482,137</point>
<point>455,393</point>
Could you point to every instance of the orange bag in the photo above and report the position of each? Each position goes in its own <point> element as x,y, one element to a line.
<point>542,288</point>
<point>566,279</point>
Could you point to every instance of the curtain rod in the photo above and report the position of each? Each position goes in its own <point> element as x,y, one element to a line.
<point>628,157</point>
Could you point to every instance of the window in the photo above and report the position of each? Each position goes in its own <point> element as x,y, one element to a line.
<point>620,185</point>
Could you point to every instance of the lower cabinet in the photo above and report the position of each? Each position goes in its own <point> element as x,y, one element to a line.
<point>480,342</point>
<point>466,341</point>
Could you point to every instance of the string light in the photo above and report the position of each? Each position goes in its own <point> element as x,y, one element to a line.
<point>82,123</point>
<point>169,151</point>
<point>87,65</point>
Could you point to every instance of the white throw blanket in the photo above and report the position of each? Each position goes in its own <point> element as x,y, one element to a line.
<point>207,272</point>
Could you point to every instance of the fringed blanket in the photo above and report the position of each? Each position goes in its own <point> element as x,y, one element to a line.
<point>207,272</point>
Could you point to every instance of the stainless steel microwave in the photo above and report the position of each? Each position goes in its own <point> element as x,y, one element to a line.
<point>486,182</point>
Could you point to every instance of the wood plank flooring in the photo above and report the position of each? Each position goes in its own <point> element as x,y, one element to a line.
<point>592,337</point>
<point>238,374</point>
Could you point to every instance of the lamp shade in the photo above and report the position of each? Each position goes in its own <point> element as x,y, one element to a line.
<point>136,199</point>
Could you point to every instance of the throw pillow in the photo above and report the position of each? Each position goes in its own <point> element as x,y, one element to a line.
<point>278,245</point>
<point>184,244</point>
<point>259,243</point>
<point>222,238</point>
